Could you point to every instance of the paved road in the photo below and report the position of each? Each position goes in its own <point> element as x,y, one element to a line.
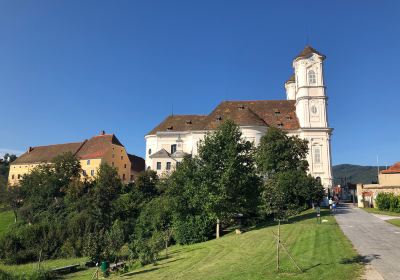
<point>377,241</point>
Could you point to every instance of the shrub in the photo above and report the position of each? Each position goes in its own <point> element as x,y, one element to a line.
<point>388,202</point>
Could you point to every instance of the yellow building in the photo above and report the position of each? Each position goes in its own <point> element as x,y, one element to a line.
<point>104,148</point>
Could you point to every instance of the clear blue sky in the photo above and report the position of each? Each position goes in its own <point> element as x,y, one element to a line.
<point>69,69</point>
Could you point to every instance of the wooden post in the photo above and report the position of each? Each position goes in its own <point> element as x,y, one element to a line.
<point>217,230</point>
<point>166,248</point>
<point>277,244</point>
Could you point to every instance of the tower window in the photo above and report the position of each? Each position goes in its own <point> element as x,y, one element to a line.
<point>317,155</point>
<point>312,78</point>
<point>149,151</point>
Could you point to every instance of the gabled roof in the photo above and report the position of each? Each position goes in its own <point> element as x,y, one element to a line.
<point>98,146</point>
<point>395,168</point>
<point>281,113</point>
<point>45,154</point>
<point>180,123</point>
<point>95,147</point>
<point>238,112</point>
<point>308,51</point>
<point>161,154</point>
<point>137,163</point>
<point>179,154</point>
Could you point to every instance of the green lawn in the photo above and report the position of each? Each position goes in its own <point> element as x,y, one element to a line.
<point>395,222</point>
<point>6,219</point>
<point>49,264</point>
<point>322,251</point>
<point>377,211</point>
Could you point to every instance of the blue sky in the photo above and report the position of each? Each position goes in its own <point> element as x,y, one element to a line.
<point>69,69</point>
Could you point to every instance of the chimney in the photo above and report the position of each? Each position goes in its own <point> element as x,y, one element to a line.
<point>30,149</point>
<point>102,132</point>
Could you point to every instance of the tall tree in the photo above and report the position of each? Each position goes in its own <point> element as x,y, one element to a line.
<point>228,173</point>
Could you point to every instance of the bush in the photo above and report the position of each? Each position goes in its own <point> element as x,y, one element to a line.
<point>388,202</point>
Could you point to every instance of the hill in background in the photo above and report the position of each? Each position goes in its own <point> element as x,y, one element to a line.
<point>355,174</point>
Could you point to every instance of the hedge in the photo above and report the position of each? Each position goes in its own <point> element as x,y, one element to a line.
<point>388,202</point>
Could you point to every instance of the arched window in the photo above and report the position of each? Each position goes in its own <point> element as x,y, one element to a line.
<point>312,78</point>
<point>149,151</point>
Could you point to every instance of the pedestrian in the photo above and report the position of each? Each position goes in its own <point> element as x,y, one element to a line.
<point>330,203</point>
<point>334,207</point>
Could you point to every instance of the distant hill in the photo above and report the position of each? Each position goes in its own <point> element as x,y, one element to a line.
<point>355,173</point>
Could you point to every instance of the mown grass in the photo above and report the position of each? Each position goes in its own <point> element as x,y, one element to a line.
<point>377,211</point>
<point>6,220</point>
<point>321,250</point>
<point>47,265</point>
<point>395,222</point>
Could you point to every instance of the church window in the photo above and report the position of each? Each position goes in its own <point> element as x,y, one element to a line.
<point>312,78</point>
<point>158,165</point>
<point>149,151</point>
<point>317,155</point>
<point>168,166</point>
<point>314,110</point>
<point>173,148</point>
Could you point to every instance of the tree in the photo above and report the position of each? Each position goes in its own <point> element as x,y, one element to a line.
<point>228,174</point>
<point>279,152</point>
<point>281,160</point>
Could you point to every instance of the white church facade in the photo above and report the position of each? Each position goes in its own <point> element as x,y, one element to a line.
<point>303,113</point>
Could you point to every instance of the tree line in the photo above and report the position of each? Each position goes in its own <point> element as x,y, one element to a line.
<point>229,184</point>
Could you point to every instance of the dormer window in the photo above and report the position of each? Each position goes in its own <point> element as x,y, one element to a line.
<point>170,127</point>
<point>241,107</point>
<point>288,117</point>
<point>218,118</point>
<point>277,112</point>
<point>280,124</point>
<point>189,122</point>
<point>312,78</point>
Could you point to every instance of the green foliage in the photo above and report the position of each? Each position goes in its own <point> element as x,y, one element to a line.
<point>279,152</point>
<point>388,202</point>
<point>228,173</point>
<point>153,229</point>
<point>281,160</point>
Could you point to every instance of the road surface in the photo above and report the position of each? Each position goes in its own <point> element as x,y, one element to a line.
<point>377,241</point>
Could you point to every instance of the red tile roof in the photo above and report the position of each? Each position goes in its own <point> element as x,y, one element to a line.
<point>395,168</point>
<point>95,147</point>
<point>281,113</point>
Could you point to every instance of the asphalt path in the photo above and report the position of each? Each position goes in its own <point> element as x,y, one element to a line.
<point>377,242</point>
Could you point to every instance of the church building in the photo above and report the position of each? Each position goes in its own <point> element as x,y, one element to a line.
<point>303,113</point>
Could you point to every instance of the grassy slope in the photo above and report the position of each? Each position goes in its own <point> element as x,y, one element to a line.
<point>49,264</point>
<point>321,250</point>
<point>377,211</point>
<point>395,222</point>
<point>6,219</point>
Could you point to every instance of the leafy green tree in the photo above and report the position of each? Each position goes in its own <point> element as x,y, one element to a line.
<point>279,152</point>
<point>281,160</point>
<point>106,188</point>
<point>228,173</point>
